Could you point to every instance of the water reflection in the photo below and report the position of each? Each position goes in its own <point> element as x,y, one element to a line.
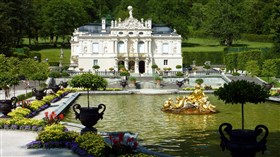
<point>181,135</point>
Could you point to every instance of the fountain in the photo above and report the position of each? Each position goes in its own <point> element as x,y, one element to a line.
<point>196,103</point>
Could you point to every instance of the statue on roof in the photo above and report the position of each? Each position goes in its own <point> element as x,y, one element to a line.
<point>130,11</point>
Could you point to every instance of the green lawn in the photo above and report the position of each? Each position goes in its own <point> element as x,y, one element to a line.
<point>206,44</point>
<point>53,55</point>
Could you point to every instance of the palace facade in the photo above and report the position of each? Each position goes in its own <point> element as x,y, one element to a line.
<point>135,44</point>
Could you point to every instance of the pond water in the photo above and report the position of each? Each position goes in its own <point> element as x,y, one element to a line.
<point>181,135</point>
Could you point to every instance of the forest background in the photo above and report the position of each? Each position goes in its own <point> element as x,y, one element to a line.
<point>224,26</point>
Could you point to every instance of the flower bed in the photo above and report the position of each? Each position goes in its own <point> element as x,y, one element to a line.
<point>22,124</point>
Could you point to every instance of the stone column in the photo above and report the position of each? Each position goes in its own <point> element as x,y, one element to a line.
<point>136,65</point>
<point>126,63</point>
<point>147,63</point>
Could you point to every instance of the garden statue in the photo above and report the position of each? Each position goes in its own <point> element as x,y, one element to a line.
<point>196,103</point>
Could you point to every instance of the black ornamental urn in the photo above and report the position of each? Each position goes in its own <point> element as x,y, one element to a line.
<point>89,116</point>
<point>243,143</point>
<point>6,106</point>
<point>64,84</point>
<point>55,88</point>
<point>39,94</point>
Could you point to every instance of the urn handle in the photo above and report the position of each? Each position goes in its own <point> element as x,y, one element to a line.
<point>104,108</point>
<point>34,90</point>
<point>227,129</point>
<point>258,130</point>
<point>77,106</point>
<point>14,100</point>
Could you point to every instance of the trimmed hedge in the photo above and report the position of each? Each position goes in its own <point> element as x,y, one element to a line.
<point>216,57</point>
<point>257,37</point>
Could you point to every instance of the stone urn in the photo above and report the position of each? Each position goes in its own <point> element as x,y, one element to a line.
<point>39,94</point>
<point>179,83</point>
<point>55,88</point>
<point>123,83</point>
<point>89,116</point>
<point>6,106</point>
<point>64,84</point>
<point>243,143</point>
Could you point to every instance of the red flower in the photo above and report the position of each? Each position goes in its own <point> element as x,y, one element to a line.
<point>61,117</point>
<point>135,145</point>
<point>115,141</point>
<point>47,114</point>
<point>121,134</point>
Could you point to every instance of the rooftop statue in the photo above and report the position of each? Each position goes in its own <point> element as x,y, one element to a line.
<point>195,103</point>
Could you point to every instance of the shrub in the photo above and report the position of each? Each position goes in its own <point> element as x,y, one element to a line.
<point>64,74</point>
<point>178,66</point>
<point>179,74</point>
<point>199,81</point>
<point>92,143</point>
<point>55,74</point>
<point>96,67</point>
<point>132,78</point>
<point>124,73</point>
<point>216,57</point>
<point>154,66</point>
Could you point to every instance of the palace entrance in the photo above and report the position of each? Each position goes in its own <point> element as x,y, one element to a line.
<point>141,67</point>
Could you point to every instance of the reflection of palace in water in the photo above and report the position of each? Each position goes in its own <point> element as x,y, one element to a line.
<point>133,43</point>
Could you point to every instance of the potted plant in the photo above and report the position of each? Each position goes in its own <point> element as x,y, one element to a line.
<point>199,81</point>
<point>132,80</point>
<point>154,66</point>
<point>242,142</point>
<point>158,79</point>
<point>96,67</point>
<point>88,115</point>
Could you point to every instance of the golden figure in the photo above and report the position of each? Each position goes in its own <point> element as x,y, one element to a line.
<point>195,103</point>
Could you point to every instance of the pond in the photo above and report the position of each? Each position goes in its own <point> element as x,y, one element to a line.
<point>181,135</point>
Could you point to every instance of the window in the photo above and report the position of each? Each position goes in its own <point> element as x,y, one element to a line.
<point>165,62</point>
<point>95,62</point>
<point>141,33</point>
<point>165,48</point>
<point>141,47</point>
<point>120,32</point>
<point>95,47</point>
<point>121,47</point>
<point>130,33</point>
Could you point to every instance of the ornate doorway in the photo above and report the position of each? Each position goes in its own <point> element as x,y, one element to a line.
<point>141,67</point>
<point>131,66</point>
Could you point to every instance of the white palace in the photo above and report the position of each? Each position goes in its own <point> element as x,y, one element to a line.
<point>135,44</point>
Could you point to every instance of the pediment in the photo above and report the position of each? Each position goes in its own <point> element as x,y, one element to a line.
<point>130,23</point>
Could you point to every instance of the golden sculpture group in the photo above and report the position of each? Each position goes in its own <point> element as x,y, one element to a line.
<point>195,103</point>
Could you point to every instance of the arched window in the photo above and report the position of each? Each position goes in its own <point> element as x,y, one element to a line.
<point>121,47</point>
<point>130,33</point>
<point>141,33</point>
<point>141,47</point>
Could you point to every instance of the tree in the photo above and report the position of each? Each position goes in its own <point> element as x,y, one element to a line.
<point>61,17</point>
<point>252,68</point>
<point>242,92</point>
<point>224,20</point>
<point>8,70</point>
<point>275,27</point>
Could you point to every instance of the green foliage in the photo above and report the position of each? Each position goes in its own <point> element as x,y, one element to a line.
<point>199,81</point>
<point>224,20</point>
<point>231,61</point>
<point>24,96</point>
<point>132,78</point>
<point>154,66</point>
<point>124,73</point>
<point>179,74</point>
<point>56,133</point>
<point>54,74</point>
<point>243,57</point>
<point>269,68</point>
<point>252,68</point>
<point>92,143</point>
<point>88,80</point>
<point>9,67</point>
<point>96,67</point>
<point>158,78</point>
<point>19,112</point>
<point>257,37</point>
<point>178,66</point>
<point>201,57</point>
